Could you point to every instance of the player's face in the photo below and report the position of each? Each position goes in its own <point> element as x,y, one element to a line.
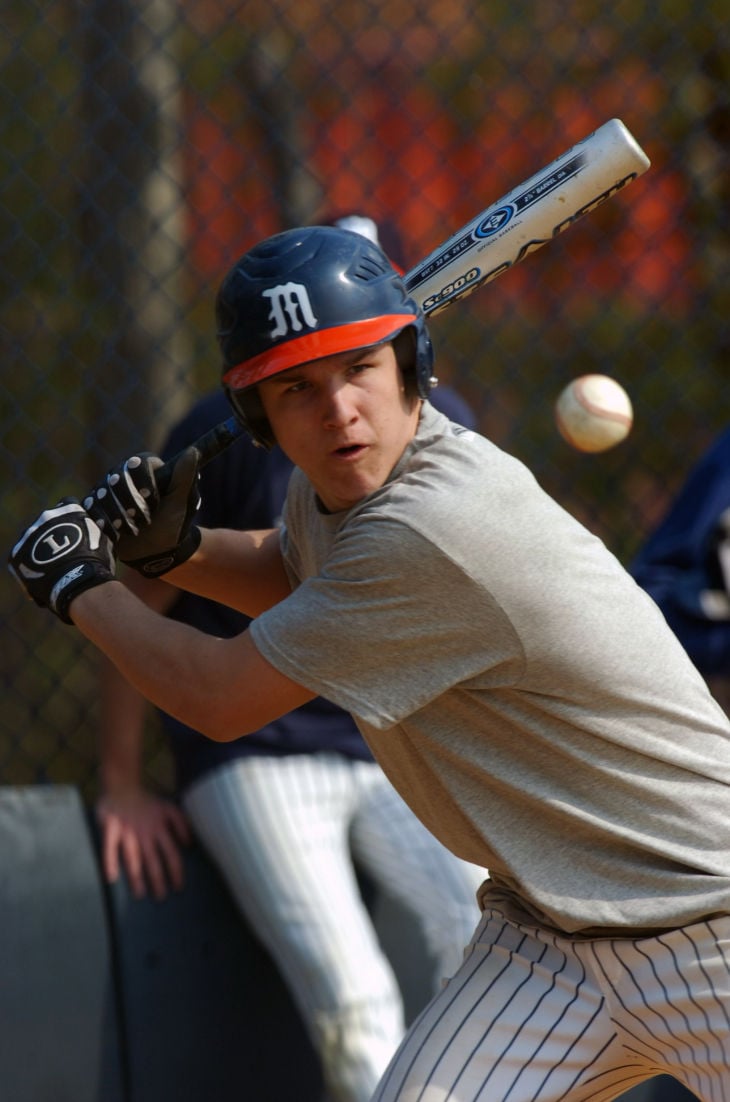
<point>345,420</point>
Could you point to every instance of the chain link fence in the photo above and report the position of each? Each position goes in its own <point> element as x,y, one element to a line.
<point>146,145</point>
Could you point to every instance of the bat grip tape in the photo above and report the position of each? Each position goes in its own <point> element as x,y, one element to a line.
<point>210,445</point>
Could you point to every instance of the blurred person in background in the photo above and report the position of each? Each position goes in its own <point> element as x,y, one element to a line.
<point>685,566</point>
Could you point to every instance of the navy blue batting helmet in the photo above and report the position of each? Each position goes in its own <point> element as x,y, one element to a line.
<point>308,293</point>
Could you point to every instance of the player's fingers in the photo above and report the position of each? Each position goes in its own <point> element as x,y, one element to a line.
<point>162,863</point>
<point>134,864</point>
<point>94,505</point>
<point>123,502</point>
<point>132,499</point>
<point>179,825</point>
<point>106,511</point>
<point>110,849</point>
<point>172,860</point>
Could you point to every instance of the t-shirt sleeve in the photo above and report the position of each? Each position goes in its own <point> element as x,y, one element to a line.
<point>388,625</point>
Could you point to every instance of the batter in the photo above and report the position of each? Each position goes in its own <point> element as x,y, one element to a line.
<point>525,697</point>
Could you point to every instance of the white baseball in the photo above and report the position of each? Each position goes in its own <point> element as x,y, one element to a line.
<point>594,413</point>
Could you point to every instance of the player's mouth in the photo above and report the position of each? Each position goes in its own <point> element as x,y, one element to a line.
<point>349,451</point>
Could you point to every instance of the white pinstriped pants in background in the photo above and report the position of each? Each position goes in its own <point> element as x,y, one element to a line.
<point>534,1017</point>
<point>283,832</point>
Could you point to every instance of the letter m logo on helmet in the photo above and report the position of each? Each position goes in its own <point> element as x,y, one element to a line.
<point>291,309</point>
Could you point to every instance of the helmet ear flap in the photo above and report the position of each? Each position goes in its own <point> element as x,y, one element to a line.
<point>249,410</point>
<point>425,379</point>
<point>414,352</point>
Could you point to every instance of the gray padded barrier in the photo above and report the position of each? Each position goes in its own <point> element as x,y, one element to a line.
<point>58,1020</point>
<point>206,1017</point>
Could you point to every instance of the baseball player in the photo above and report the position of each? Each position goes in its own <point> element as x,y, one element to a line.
<point>523,694</point>
<point>288,814</point>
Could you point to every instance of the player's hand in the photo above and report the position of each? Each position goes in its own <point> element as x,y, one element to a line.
<point>142,833</point>
<point>59,556</point>
<point>153,528</point>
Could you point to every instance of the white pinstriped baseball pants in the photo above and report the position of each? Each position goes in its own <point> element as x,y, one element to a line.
<point>283,832</point>
<point>533,1017</point>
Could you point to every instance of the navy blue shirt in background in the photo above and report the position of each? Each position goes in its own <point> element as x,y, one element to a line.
<point>679,567</point>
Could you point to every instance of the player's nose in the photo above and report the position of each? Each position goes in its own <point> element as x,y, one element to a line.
<point>339,405</point>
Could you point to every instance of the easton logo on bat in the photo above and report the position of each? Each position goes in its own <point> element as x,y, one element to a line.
<point>495,222</point>
<point>588,207</point>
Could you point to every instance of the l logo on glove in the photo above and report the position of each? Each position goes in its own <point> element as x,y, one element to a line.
<point>56,542</point>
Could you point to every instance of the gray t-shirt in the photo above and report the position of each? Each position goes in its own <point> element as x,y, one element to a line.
<point>522,693</point>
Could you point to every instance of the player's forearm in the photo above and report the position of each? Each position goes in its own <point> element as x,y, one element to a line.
<point>243,570</point>
<point>163,660</point>
<point>220,687</point>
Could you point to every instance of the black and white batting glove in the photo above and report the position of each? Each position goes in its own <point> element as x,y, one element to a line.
<point>152,526</point>
<point>60,556</point>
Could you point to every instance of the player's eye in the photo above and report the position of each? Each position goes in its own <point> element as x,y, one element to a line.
<point>296,387</point>
<point>358,368</point>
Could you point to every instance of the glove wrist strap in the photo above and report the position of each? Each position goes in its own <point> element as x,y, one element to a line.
<point>79,578</point>
<point>154,566</point>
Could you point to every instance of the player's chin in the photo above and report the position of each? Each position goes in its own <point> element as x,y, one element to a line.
<point>346,485</point>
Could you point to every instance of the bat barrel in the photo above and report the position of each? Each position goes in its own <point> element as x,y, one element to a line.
<point>529,216</point>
